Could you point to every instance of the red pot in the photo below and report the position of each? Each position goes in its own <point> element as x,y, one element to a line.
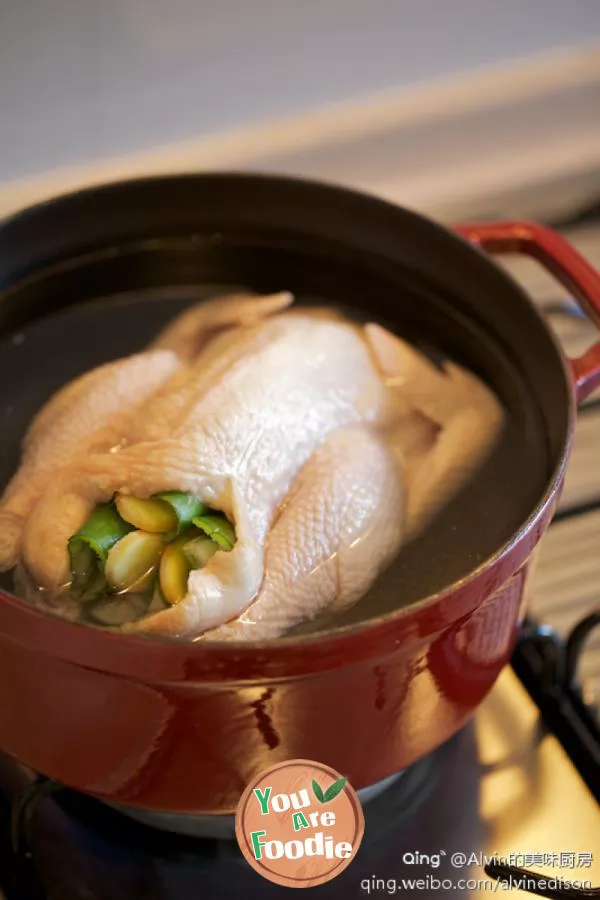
<point>183,726</point>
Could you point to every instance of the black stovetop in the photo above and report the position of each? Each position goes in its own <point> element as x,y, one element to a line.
<point>64,846</point>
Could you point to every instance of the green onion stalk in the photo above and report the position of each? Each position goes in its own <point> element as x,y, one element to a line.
<point>133,556</point>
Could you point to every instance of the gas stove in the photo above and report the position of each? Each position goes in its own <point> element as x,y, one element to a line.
<point>517,789</point>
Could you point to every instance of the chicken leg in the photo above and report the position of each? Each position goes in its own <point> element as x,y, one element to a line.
<point>91,414</point>
<point>341,525</point>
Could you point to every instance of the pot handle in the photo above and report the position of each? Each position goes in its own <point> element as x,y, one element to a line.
<point>568,267</point>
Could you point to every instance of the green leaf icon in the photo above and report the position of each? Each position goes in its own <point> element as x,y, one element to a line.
<point>334,789</point>
<point>318,792</point>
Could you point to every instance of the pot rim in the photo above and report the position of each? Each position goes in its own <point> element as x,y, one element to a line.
<point>174,660</point>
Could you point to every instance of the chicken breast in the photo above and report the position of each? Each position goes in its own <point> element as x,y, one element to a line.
<point>362,494</point>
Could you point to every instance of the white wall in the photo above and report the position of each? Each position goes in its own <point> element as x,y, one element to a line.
<point>83,80</point>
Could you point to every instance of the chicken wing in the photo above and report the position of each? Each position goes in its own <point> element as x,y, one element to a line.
<point>187,334</point>
<point>446,424</point>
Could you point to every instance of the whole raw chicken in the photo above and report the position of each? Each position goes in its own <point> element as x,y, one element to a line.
<point>325,444</point>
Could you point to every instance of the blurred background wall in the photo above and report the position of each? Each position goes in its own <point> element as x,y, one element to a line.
<point>429,102</point>
<point>87,79</point>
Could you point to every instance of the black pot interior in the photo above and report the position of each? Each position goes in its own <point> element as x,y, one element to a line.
<point>94,276</point>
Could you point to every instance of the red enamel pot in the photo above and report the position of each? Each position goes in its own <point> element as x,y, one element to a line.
<point>181,726</point>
